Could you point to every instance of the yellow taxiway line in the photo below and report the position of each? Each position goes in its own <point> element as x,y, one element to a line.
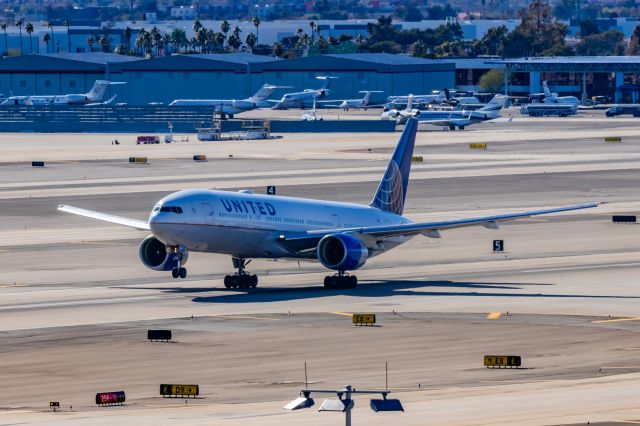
<point>494,315</point>
<point>342,313</point>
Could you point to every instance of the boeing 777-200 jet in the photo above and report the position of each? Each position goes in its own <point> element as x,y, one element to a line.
<point>341,236</point>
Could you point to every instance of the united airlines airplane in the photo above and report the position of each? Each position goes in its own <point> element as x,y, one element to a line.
<point>244,225</point>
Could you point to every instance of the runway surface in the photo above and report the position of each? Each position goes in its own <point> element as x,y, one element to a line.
<point>75,301</point>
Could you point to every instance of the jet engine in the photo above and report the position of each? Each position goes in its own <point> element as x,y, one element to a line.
<point>342,252</point>
<point>154,255</point>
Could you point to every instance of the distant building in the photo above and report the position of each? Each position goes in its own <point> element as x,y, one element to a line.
<point>183,12</point>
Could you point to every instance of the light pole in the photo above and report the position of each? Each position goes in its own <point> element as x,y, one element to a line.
<point>344,403</point>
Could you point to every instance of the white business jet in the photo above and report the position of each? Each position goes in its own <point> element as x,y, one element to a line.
<point>93,96</point>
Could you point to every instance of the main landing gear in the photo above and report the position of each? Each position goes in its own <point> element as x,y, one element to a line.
<point>340,281</point>
<point>240,279</point>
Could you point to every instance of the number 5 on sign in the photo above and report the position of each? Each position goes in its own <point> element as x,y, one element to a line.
<point>498,246</point>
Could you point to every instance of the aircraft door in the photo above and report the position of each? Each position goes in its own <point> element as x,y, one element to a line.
<point>209,214</point>
<point>336,221</point>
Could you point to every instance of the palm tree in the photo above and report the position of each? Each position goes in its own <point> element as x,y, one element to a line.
<point>126,34</point>
<point>313,29</point>
<point>29,29</point>
<point>53,39</point>
<point>236,32</point>
<point>46,40</point>
<point>166,42</point>
<point>155,37</point>
<point>90,42</point>
<point>225,27</point>
<point>197,26</point>
<point>251,41</point>
<point>256,23</point>
<point>178,37</point>
<point>19,25</point>
<point>66,24</point>
<point>278,50</point>
<point>103,41</point>
<point>219,39</point>
<point>140,41</point>
<point>235,42</point>
<point>6,46</point>
<point>201,38</point>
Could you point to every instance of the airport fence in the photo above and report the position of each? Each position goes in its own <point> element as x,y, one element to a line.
<point>154,118</point>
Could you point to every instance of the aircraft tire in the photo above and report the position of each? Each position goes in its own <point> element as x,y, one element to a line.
<point>227,281</point>
<point>183,273</point>
<point>175,273</point>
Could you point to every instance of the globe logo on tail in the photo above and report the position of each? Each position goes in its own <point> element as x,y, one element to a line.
<point>390,195</point>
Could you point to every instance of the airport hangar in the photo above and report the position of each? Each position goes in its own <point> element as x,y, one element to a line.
<point>220,76</point>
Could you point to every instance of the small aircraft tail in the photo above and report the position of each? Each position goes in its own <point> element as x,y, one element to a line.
<point>392,189</point>
<point>496,103</point>
<point>99,89</point>
<point>263,93</point>
<point>409,102</point>
<point>547,92</point>
<point>442,96</point>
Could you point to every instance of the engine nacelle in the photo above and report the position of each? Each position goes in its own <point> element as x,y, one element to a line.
<point>154,255</point>
<point>342,252</point>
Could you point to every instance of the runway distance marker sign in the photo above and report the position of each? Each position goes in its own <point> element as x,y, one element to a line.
<point>363,319</point>
<point>502,361</point>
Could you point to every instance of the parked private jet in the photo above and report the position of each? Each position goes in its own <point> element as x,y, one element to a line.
<point>93,96</point>
<point>244,225</point>
<point>462,118</point>
<point>305,98</point>
<point>553,98</point>
<point>348,104</point>
<point>233,106</point>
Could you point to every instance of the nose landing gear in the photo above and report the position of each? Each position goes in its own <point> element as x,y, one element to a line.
<point>240,279</point>
<point>178,271</point>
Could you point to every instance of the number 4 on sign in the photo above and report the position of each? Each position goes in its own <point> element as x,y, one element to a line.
<point>271,190</point>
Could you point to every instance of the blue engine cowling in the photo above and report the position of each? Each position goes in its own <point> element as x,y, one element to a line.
<point>153,254</point>
<point>342,252</point>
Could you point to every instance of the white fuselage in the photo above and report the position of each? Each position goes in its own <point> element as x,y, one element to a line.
<point>226,106</point>
<point>456,117</point>
<point>249,225</point>
<point>300,99</point>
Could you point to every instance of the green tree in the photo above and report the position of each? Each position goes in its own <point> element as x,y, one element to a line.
<point>90,42</point>
<point>538,33</point>
<point>29,29</point>
<point>588,27</point>
<point>634,42</point>
<point>492,80</point>
<point>313,26</point>
<point>609,43</point>
<point>493,42</point>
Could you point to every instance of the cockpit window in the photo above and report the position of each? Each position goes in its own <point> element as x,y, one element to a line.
<point>172,209</point>
<point>157,209</point>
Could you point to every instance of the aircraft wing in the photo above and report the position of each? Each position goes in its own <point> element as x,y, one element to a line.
<point>446,121</point>
<point>311,238</point>
<point>118,220</point>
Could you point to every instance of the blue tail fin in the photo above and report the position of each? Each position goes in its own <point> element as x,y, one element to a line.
<point>392,190</point>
